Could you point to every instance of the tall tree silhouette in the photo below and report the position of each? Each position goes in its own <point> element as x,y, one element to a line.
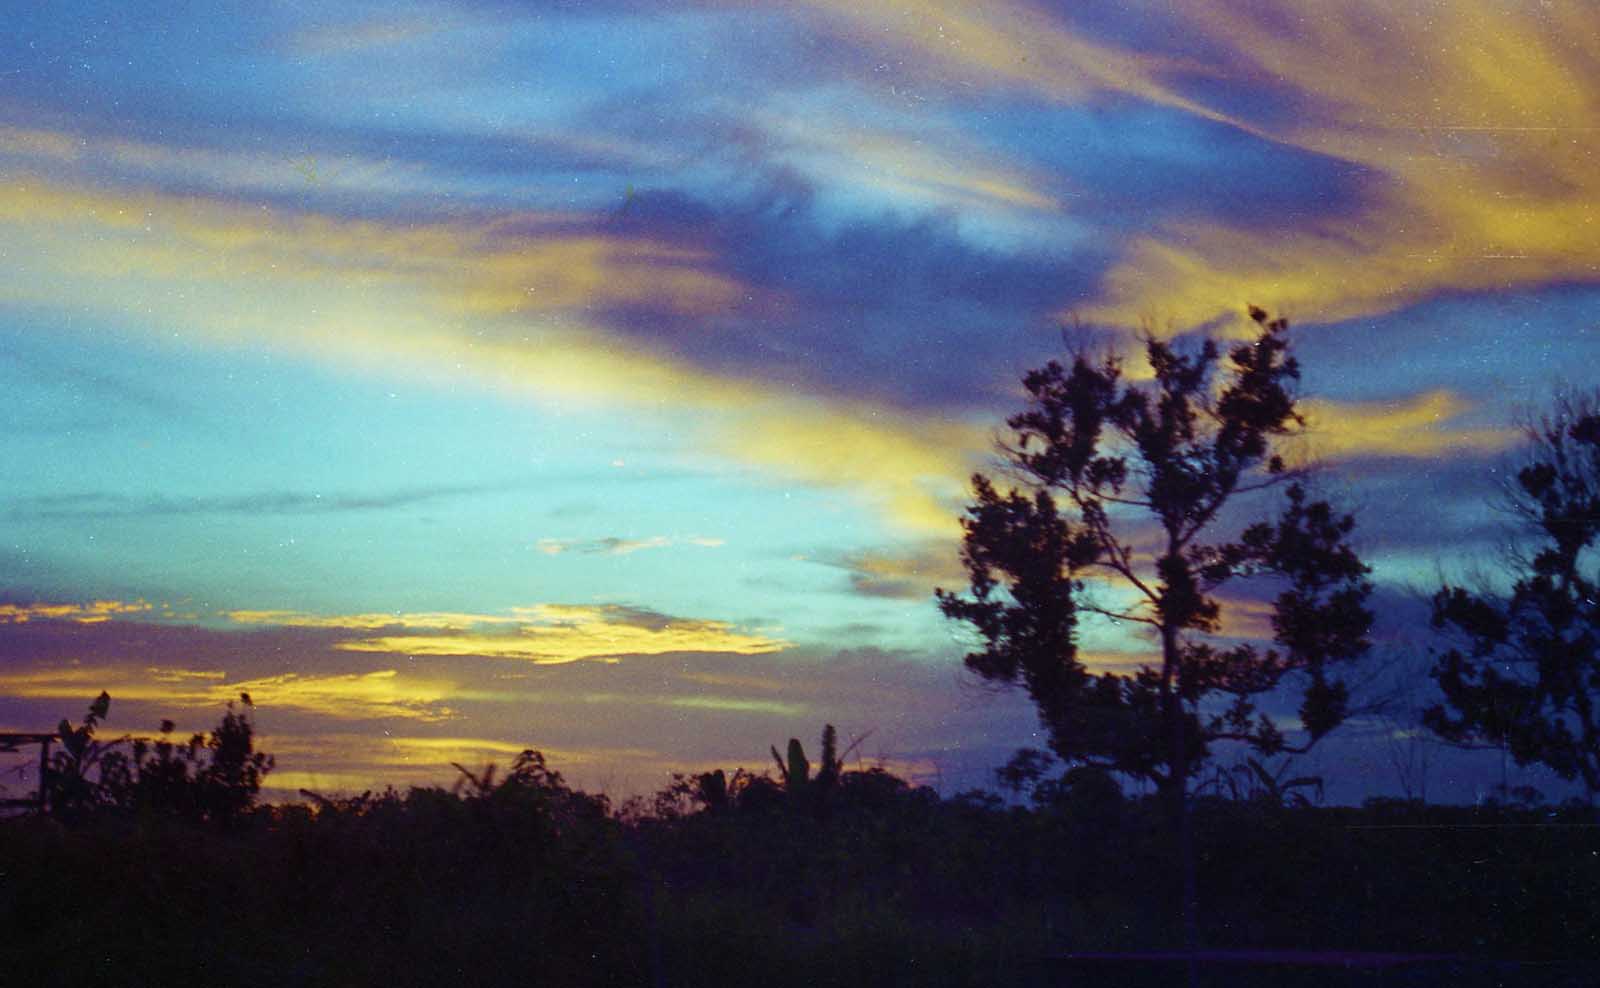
<point>1128,481</point>
<point>1528,676</point>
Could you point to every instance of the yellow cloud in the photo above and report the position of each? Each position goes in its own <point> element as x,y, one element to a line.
<point>90,613</point>
<point>1417,426</point>
<point>434,620</point>
<point>516,264</point>
<point>915,469</point>
<point>553,634</point>
<point>1476,121</point>
<point>1008,42</point>
<point>546,634</point>
<point>381,694</point>
<point>739,704</point>
<point>502,302</point>
<point>384,693</point>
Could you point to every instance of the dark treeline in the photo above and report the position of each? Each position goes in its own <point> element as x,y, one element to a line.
<point>811,877</point>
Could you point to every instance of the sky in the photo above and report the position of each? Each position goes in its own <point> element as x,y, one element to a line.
<point>605,377</point>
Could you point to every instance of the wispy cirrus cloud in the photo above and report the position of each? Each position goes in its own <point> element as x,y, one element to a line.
<point>516,302</point>
<point>1423,425</point>
<point>1478,179</point>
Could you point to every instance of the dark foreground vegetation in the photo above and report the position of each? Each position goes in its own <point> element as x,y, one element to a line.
<point>808,878</point>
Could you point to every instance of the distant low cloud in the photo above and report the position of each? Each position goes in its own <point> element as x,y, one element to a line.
<point>93,612</point>
<point>616,546</point>
<point>383,693</point>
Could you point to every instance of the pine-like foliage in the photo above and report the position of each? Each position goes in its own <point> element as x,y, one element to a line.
<point>1128,507</point>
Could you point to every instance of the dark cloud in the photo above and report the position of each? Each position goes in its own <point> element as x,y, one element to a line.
<point>904,572</point>
<point>900,309</point>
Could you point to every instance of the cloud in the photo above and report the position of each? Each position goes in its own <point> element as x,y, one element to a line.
<point>503,300</point>
<point>904,573</point>
<point>1007,43</point>
<point>103,505</point>
<point>545,634</point>
<point>383,693</point>
<point>514,263</point>
<point>1418,426</point>
<point>357,36</point>
<point>927,169</point>
<point>1478,179</point>
<point>555,634</point>
<point>93,612</point>
<point>343,724</point>
<point>617,546</point>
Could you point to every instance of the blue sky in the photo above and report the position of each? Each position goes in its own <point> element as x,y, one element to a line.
<point>605,377</point>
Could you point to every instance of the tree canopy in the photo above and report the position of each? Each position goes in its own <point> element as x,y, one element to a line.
<point>1527,672</point>
<point>1123,509</point>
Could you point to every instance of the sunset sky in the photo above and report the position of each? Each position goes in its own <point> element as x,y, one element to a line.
<point>604,377</point>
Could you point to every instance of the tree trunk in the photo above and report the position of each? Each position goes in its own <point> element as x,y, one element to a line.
<point>1177,797</point>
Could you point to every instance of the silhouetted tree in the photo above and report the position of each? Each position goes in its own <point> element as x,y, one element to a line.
<point>71,783</point>
<point>230,781</point>
<point>795,772</point>
<point>215,778</point>
<point>1528,676</point>
<point>1128,480</point>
